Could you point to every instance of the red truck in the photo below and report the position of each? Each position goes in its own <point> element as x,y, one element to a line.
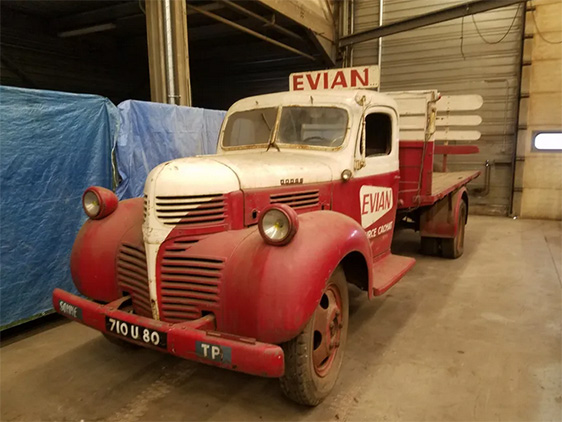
<point>242,259</point>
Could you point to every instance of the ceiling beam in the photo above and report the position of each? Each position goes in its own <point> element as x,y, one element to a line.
<point>465,9</point>
<point>218,30</point>
<point>250,31</point>
<point>313,16</point>
<point>268,22</point>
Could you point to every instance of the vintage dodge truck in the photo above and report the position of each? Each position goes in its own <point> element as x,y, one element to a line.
<point>242,259</point>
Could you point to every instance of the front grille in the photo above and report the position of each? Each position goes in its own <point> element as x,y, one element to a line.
<point>189,285</point>
<point>132,277</point>
<point>191,210</point>
<point>144,208</point>
<point>303,199</point>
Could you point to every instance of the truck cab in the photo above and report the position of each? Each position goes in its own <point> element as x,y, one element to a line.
<point>242,259</point>
<point>310,150</point>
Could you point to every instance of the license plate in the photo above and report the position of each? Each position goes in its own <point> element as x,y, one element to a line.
<point>136,332</point>
<point>69,310</point>
<point>213,352</point>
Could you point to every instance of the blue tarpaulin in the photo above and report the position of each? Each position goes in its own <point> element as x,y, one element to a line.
<point>53,145</point>
<point>153,133</point>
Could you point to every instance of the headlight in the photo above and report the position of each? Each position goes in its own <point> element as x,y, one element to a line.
<point>99,202</point>
<point>91,204</point>
<point>278,224</point>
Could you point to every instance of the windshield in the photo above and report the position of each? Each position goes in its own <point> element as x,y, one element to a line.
<point>320,126</point>
<point>249,127</point>
<point>313,126</point>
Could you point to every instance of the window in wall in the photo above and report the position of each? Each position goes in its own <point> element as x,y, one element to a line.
<point>378,134</point>
<point>547,141</point>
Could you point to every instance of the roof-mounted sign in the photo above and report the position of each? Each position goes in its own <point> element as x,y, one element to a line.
<point>366,77</point>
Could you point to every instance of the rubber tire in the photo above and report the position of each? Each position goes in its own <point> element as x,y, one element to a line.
<point>300,382</point>
<point>429,246</point>
<point>121,343</point>
<point>454,248</point>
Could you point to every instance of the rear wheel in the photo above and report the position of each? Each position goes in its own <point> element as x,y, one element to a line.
<point>313,358</point>
<point>454,248</point>
<point>429,246</point>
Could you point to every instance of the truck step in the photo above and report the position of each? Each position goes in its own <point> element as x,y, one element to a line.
<point>389,270</point>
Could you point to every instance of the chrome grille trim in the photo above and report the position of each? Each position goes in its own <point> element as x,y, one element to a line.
<point>132,277</point>
<point>145,207</point>
<point>191,210</point>
<point>188,285</point>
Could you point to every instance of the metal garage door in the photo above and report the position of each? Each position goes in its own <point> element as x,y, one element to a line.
<point>432,57</point>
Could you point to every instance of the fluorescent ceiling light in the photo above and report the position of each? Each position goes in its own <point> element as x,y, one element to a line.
<point>87,30</point>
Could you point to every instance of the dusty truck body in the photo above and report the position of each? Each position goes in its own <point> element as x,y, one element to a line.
<point>242,259</point>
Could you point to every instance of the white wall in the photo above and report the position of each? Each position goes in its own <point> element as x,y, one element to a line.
<point>538,177</point>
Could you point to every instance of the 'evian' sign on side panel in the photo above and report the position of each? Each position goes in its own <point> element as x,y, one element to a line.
<point>347,78</point>
<point>375,202</point>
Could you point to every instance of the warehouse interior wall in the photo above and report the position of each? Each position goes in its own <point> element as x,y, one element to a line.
<point>538,175</point>
<point>34,54</point>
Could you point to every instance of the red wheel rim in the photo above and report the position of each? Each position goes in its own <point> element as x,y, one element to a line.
<point>328,324</point>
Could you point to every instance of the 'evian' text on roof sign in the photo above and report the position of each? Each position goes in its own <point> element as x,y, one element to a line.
<point>348,78</point>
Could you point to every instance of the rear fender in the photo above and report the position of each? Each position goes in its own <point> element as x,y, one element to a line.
<point>270,292</point>
<point>441,219</point>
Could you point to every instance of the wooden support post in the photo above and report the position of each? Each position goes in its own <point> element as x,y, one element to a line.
<point>156,37</point>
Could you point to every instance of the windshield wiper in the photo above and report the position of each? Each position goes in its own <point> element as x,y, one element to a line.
<point>272,143</point>
<point>272,139</point>
<point>265,121</point>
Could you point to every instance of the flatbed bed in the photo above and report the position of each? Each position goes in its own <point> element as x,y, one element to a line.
<point>444,183</point>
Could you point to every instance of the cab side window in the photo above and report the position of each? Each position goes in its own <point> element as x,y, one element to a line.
<point>378,134</point>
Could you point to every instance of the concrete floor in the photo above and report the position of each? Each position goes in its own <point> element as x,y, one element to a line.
<point>478,338</point>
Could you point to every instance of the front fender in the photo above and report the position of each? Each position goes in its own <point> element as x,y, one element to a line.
<point>270,292</point>
<point>93,257</point>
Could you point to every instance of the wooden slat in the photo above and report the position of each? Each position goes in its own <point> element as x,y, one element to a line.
<point>456,149</point>
<point>418,122</point>
<point>440,135</point>
<point>459,103</point>
<point>457,120</point>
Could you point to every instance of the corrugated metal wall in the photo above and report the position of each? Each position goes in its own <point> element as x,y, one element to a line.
<point>432,57</point>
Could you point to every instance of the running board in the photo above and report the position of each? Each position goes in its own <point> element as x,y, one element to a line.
<point>388,271</point>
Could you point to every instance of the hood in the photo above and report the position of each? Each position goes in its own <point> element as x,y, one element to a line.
<point>219,174</point>
<point>191,176</point>
<point>190,181</point>
<point>273,168</point>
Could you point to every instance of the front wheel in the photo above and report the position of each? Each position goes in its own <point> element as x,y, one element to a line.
<point>313,358</point>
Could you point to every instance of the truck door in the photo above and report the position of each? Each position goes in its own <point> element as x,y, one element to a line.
<point>371,196</point>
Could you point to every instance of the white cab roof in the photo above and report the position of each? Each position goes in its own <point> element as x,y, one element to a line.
<point>349,98</point>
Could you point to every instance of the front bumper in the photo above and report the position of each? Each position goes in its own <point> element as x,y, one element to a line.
<point>189,340</point>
